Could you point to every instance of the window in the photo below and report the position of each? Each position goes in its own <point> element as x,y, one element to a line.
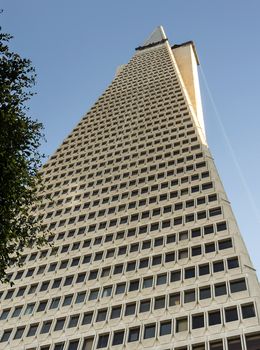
<point>55,303</point>
<point>181,325</point>
<point>183,236</point>
<point>130,266</point>
<point>205,293</point>
<point>214,317</point>
<point>225,244</point>
<point>19,333</point>
<point>17,311</point>
<point>231,314</point>
<point>190,272</point>
<point>169,257</point>
<point>210,247</point>
<point>73,345</point>
<point>174,299</point>
<point>161,279</point>
<point>101,316</point>
<point>149,331</point>
<point>4,314</point>
<point>175,276</point>
<point>118,269</point>
<point>197,321</point>
<point>116,312</point>
<point>159,303</point>
<point>88,343</point>
<point>208,229</point>
<point>120,288</point>
<point>67,300</point>
<point>145,305</point>
<point>59,346</point>
<point>118,338</point>
<point>221,226</point>
<point>156,260</point>
<point>73,322</point>
<point>93,275</point>
<point>218,266</point>
<point>81,277</point>
<point>238,286</point>
<point>195,232</point>
<point>143,263</point>
<point>148,282</point>
<point>6,335</point>
<point>32,330</point>
<point>232,263</point>
<point>29,309</point>
<point>183,254</point>
<point>252,341</point>
<point>87,318</point>
<point>198,346</point>
<point>42,306</point>
<point>46,327</point>
<point>189,296</point>
<point>68,281</point>
<point>9,294</point>
<point>216,345</point>
<point>220,289</point>
<point>93,294</point>
<point>102,341</point>
<point>130,309</point>
<point>248,311</point>
<point>165,328</point>
<point>133,334</point>
<point>107,291</point>
<point>234,344</point>
<point>59,324</point>
<point>56,283</point>
<point>203,269</point>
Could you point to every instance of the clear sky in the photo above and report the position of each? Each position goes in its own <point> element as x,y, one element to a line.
<point>77,45</point>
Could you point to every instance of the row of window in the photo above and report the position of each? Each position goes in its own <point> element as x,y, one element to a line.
<point>108,147</point>
<point>141,137</point>
<point>195,202</point>
<point>122,185</point>
<point>125,250</point>
<point>145,215</point>
<point>122,149</point>
<point>231,343</point>
<point>135,334</point>
<point>136,192</point>
<point>114,237</point>
<point>141,202</point>
<point>139,215</point>
<point>144,133</point>
<point>163,278</point>
<point>104,147</point>
<point>109,130</point>
<point>129,153</point>
<point>132,151</point>
<point>132,308</point>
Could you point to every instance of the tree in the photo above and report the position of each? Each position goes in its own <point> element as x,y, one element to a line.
<point>20,159</point>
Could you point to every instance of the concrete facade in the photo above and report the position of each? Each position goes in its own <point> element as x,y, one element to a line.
<point>146,251</point>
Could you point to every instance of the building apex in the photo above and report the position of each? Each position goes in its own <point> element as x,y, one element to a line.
<point>156,36</point>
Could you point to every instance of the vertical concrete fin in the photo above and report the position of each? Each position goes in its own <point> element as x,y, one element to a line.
<point>187,61</point>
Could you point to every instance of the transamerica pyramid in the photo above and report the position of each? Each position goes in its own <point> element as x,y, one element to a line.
<point>146,252</point>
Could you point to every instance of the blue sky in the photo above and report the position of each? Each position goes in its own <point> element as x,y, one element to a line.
<point>77,45</point>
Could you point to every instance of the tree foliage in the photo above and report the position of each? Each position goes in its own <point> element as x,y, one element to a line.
<point>20,159</point>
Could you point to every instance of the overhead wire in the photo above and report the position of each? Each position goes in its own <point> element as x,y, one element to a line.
<point>230,148</point>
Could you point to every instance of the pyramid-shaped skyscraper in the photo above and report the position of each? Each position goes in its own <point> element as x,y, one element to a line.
<point>146,252</point>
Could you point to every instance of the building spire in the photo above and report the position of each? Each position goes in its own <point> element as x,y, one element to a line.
<point>156,36</point>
